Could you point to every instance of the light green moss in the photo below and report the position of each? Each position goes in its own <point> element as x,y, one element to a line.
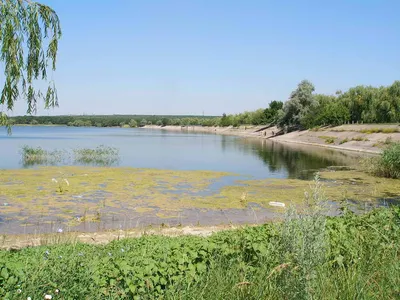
<point>95,192</point>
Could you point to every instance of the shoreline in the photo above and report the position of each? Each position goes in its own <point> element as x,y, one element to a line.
<point>356,137</point>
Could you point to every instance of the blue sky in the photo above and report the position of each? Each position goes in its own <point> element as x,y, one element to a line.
<point>216,56</point>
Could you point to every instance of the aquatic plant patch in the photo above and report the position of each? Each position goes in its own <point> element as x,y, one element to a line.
<point>99,156</point>
<point>72,195</point>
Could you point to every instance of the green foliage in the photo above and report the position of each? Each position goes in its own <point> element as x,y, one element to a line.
<point>387,164</point>
<point>116,120</point>
<point>271,113</point>
<point>101,155</point>
<point>361,104</point>
<point>38,156</point>
<point>132,123</point>
<point>29,43</point>
<point>300,104</point>
<point>308,256</point>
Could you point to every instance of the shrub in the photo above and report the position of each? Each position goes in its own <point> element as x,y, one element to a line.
<point>388,164</point>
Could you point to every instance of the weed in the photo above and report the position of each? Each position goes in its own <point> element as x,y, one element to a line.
<point>344,141</point>
<point>360,139</point>
<point>102,155</point>
<point>37,156</point>
<point>328,139</point>
<point>379,130</point>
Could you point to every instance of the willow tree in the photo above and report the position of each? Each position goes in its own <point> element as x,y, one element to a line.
<point>29,35</point>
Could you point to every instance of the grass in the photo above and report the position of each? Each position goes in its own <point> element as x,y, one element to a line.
<point>379,130</point>
<point>360,139</point>
<point>306,256</point>
<point>328,139</point>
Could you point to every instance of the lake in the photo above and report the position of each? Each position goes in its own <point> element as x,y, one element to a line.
<point>178,178</point>
<point>149,148</point>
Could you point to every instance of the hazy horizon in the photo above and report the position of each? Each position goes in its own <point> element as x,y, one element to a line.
<point>213,57</point>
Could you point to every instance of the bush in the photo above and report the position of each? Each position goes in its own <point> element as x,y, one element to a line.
<point>132,123</point>
<point>388,164</point>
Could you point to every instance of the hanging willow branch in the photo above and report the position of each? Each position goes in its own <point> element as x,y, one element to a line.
<point>29,35</point>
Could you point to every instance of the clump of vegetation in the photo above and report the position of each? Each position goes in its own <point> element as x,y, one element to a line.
<point>328,139</point>
<point>386,165</point>
<point>101,155</point>
<point>32,156</point>
<point>379,130</point>
<point>360,139</point>
<point>344,141</point>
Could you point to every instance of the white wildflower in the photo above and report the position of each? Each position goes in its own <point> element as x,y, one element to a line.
<point>57,291</point>
<point>122,250</point>
<point>29,298</point>
<point>60,230</point>
<point>19,291</point>
<point>54,180</point>
<point>48,297</point>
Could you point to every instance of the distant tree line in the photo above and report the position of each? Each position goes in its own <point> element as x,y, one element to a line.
<point>304,109</point>
<point>115,120</point>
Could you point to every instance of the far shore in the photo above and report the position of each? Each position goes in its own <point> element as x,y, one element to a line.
<point>367,138</point>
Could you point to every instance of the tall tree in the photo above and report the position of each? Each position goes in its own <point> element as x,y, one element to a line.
<point>29,35</point>
<point>299,105</point>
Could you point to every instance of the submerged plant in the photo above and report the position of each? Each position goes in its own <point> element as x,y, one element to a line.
<point>38,156</point>
<point>101,155</point>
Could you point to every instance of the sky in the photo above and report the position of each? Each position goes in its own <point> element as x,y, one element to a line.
<point>216,56</point>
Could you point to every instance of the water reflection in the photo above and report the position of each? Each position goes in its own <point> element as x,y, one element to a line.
<point>298,161</point>
<point>161,149</point>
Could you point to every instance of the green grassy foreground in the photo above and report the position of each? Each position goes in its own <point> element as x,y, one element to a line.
<point>307,256</point>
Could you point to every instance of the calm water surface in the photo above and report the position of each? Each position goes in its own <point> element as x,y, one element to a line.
<point>147,148</point>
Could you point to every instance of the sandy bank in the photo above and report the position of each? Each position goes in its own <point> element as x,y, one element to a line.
<point>368,138</point>
<point>103,237</point>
